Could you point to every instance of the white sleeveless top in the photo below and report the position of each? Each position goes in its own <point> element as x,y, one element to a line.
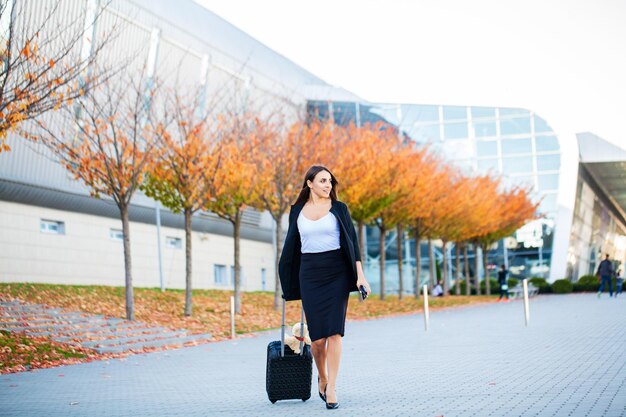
<point>320,235</point>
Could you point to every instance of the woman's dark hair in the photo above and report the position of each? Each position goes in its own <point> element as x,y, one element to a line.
<point>305,192</point>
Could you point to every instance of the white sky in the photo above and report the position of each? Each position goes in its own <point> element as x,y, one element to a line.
<point>564,59</point>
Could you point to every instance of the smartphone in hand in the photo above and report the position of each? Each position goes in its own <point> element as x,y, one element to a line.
<point>363,292</point>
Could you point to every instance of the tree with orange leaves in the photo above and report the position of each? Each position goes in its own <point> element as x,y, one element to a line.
<point>480,192</point>
<point>476,206</point>
<point>180,178</point>
<point>449,216</point>
<point>233,188</point>
<point>109,149</point>
<point>363,164</point>
<point>41,65</point>
<point>410,181</point>
<point>430,174</point>
<point>368,165</point>
<point>282,156</point>
<point>511,209</point>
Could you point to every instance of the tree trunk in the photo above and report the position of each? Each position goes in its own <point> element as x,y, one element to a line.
<point>431,261</point>
<point>418,264</point>
<point>130,304</point>
<point>279,249</point>
<point>468,288</point>
<point>485,264</point>
<point>237,227</point>
<point>361,229</point>
<point>188,286</point>
<point>446,284</point>
<point>476,269</point>
<point>400,232</point>
<point>457,279</point>
<point>381,244</point>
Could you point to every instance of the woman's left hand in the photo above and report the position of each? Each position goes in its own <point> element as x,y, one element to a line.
<point>362,281</point>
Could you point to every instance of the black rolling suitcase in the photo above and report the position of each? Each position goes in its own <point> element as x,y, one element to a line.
<point>288,374</point>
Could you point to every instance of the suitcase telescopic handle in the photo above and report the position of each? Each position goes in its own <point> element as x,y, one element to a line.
<point>282,332</point>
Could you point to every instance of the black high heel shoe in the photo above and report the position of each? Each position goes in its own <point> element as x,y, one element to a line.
<point>322,396</point>
<point>330,406</point>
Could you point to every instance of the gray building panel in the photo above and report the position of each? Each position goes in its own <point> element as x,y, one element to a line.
<point>203,222</point>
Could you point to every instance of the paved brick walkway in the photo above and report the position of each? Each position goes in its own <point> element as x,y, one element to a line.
<point>100,333</point>
<point>476,361</point>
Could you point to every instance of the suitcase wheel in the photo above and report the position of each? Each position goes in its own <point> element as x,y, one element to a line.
<point>273,401</point>
<point>304,399</point>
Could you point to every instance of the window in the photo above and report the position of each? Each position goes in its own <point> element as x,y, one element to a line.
<point>548,162</point>
<point>457,130</point>
<point>317,110</point>
<point>548,203</point>
<point>220,274</point>
<point>232,275</point>
<point>515,146</point>
<point>418,113</point>
<point>488,165</point>
<point>546,143</point>
<point>425,133</point>
<point>541,125</point>
<point>465,165</point>
<point>173,242</point>
<point>507,111</point>
<point>344,113</point>
<point>486,148</point>
<point>515,126</point>
<point>263,278</point>
<point>52,226</point>
<point>483,112</point>
<point>454,113</point>
<point>116,234</point>
<point>548,182</point>
<point>522,181</point>
<point>517,165</point>
<point>484,129</point>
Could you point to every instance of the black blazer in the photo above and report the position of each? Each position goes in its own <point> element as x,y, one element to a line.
<point>289,264</point>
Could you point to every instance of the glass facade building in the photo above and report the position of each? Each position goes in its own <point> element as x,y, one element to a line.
<point>515,144</point>
<point>598,225</point>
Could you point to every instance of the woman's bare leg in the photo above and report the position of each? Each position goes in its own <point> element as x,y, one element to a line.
<point>318,348</point>
<point>334,357</point>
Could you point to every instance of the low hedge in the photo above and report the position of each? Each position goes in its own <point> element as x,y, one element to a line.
<point>587,283</point>
<point>463,284</point>
<point>495,287</point>
<point>542,284</point>
<point>562,286</point>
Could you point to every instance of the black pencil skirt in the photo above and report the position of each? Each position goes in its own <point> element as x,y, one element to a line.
<point>325,287</point>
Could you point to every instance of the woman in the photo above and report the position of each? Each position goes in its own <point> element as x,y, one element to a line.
<point>321,264</point>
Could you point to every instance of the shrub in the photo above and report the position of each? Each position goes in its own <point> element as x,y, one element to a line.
<point>512,282</point>
<point>562,286</point>
<point>472,290</point>
<point>542,284</point>
<point>494,286</point>
<point>587,283</point>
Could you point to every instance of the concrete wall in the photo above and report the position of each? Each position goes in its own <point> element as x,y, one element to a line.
<point>87,255</point>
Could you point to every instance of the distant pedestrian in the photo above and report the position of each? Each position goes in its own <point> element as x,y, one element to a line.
<point>605,272</point>
<point>619,280</point>
<point>504,286</point>
<point>437,290</point>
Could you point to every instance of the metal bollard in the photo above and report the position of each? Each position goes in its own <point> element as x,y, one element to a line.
<point>232,317</point>
<point>426,317</point>
<point>526,307</point>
